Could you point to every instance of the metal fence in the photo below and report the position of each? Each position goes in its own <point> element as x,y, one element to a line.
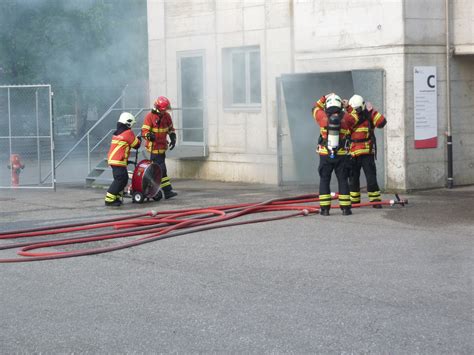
<point>26,137</point>
<point>44,141</point>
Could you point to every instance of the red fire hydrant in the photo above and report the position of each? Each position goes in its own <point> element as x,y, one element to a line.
<point>16,166</point>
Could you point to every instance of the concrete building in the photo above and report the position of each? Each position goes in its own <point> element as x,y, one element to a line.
<point>244,74</point>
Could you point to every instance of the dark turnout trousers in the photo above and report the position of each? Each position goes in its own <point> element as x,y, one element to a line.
<point>340,165</point>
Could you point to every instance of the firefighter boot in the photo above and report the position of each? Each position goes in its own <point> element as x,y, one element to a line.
<point>170,194</point>
<point>346,211</point>
<point>324,211</point>
<point>112,200</point>
<point>113,203</point>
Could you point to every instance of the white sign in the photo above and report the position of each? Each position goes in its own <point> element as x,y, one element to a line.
<point>426,107</point>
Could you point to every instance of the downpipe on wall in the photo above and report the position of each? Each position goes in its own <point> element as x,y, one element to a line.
<point>449,138</point>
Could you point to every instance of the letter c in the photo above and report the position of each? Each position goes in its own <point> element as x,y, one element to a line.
<point>428,81</point>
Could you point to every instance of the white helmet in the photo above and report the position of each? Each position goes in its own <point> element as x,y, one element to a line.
<point>333,100</point>
<point>127,119</point>
<point>357,102</point>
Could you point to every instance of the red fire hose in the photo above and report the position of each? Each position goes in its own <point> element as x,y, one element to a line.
<point>153,226</point>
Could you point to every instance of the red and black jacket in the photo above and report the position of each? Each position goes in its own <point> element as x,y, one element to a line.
<point>122,141</point>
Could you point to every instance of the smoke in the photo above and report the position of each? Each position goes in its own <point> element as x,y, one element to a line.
<point>90,46</point>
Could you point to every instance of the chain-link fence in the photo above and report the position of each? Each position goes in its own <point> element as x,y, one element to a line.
<point>26,139</point>
<point>79,130</point>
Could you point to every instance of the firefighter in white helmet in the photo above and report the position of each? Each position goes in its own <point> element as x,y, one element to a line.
<point>333,147</point>
<point>364,149</point>
<point>122,140</point>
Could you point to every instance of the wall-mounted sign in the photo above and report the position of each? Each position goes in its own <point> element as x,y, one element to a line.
<point>426,107</point>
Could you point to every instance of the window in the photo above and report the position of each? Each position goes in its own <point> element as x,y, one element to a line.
<point>191,94</point>
<point>241,73</point>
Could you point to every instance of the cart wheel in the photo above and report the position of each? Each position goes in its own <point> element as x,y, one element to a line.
<point>138,197</point>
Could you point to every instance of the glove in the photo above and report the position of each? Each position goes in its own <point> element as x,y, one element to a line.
<point>139,142</point>
<point>150,136</point>
<point>173,140</point>
<point>320,103</point>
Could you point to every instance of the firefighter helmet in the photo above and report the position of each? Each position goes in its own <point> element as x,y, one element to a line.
<point>162,104</point>
<point>127,119</point>
<point>357,102</point>
<point>333,100</point>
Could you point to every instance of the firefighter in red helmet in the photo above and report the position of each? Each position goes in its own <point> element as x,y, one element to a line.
<point>122,140</point>
<point>363,149</point>
<point>157,126</point>
<point>333,147</point>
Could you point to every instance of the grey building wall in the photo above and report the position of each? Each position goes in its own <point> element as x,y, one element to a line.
<point>425,42</point>
<point>315,36</point>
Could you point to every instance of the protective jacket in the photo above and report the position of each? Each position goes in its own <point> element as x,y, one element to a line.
<point>362,136</point>
<point>348,121</point>
<point>119,150</point>
<point>159,124</point>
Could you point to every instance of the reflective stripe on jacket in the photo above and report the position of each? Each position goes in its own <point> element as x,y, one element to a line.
<point>120,148</point>
<point>160,125</point>
<point>362,142</point>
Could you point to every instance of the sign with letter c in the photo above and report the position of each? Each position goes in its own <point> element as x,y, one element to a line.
<point>425,107</point>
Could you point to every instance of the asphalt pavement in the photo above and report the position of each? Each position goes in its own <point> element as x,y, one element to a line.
<point>394,280</point>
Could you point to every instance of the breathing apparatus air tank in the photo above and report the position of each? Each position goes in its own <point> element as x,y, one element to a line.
<point>334,127</point>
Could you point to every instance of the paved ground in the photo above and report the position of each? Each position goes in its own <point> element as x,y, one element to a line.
<point>396,280</point>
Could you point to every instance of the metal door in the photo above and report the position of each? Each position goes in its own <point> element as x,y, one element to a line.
<point>298,133</point>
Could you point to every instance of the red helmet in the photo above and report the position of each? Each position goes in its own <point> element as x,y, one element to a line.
<point>162,104</point>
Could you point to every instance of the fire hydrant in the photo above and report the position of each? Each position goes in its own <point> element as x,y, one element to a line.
<point>16,166</point>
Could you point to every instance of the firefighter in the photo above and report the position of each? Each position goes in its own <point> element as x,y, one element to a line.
<point>333,148</point>
<point>363,149</point>
<point>122,140</point>
<point>157,126</point>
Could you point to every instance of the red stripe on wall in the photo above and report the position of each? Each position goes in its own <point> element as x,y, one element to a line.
<point>426,143</point>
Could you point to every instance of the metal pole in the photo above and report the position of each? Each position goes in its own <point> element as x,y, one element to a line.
<point>38,148</point>
<point>10,133</point>
<point>279,132</point>
<point>449,138</point>
<point>88,152</point>
<point>53,160</point>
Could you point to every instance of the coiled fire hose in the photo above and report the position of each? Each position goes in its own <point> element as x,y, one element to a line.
<point>152,226</point>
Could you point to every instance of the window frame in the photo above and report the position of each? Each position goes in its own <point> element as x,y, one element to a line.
<point>228,78</point>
